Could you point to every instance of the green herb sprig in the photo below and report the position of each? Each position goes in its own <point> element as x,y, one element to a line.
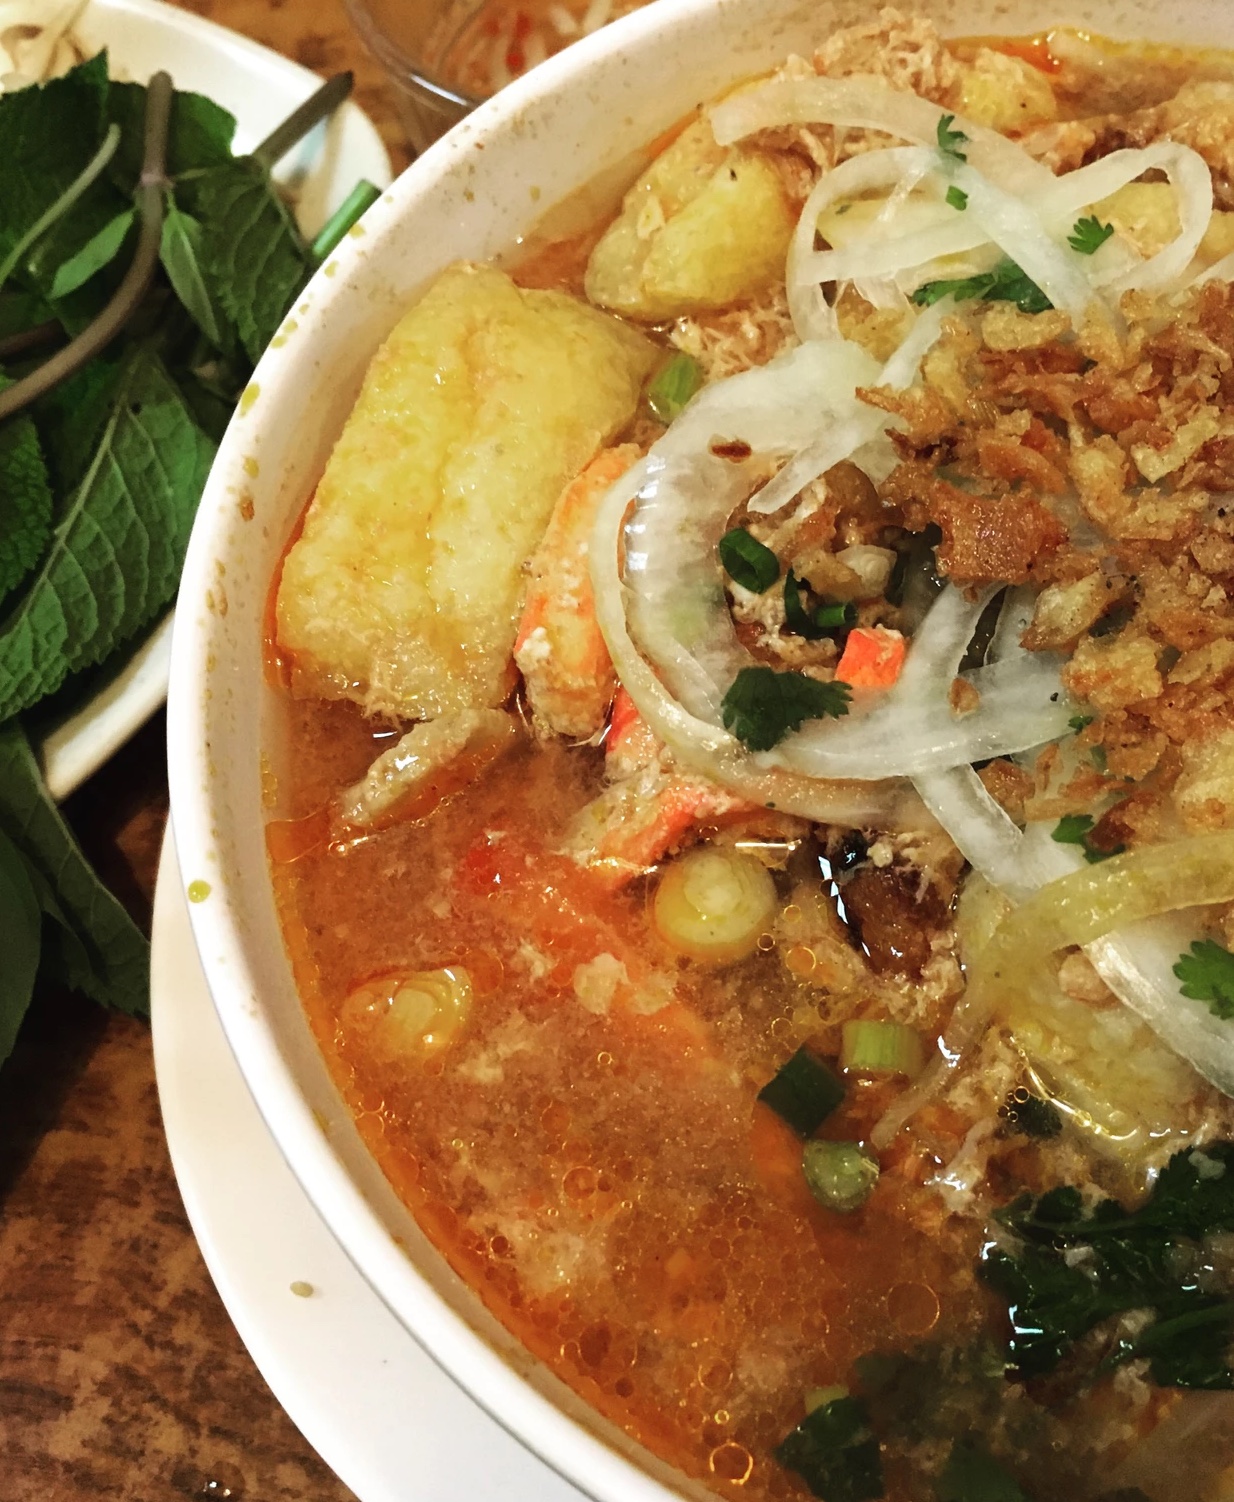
<point>1076,829</point>
<point>1006,283</point>
<point>763,705</point>
<point>1089,235</point>
<point>950,140</point>
<point>1207,974</point>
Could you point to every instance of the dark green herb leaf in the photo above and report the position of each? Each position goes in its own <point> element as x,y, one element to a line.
<point>25,502</point>
<point>20,924</point>
<point>97,948</point>
<point>950,141</point>
<point>50,132</point>
<point>1006,283</point>
<point>199,134</point>
<point>1207,974</point>
<point>835,1453</point>
<point>957,197</point>
<point>118,546</point>
<point>763,706</point>
<point>797,618</point>
<point>348,214</point>
<point>1072,829</point>
<point>1079,722</point>
<point>251,252</point>
<point>181,255</point>
<point>973,1475</point>
<point>747,561</point>
<point>99,251</point>
<point>1134,1260</point>
<point>803,1092</point>
<point>1089,235</point>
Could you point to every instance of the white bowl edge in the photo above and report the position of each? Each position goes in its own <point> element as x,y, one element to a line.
<point>470,196</point>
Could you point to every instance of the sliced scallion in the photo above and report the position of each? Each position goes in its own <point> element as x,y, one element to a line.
<point>881,1048</point>
<point>747,561</point>
<point>803,1091</point>
<point>673,385</point>
<point>840,1175</point>
<point>819,1397</point>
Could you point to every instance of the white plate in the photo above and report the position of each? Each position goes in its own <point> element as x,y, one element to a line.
<point>260,88</point>
<point>379,1411</point>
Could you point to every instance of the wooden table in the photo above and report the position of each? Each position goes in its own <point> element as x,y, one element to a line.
<point>120,1373</point>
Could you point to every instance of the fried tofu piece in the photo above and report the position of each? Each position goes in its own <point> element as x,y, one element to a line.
<point>403,591</point>
<point>703,227</point>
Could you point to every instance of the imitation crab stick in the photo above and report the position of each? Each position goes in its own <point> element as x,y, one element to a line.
<point>873,657</point>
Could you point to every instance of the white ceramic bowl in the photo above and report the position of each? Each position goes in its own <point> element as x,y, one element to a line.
<point>577,120</point>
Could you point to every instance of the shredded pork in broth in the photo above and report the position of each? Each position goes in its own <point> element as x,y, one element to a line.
<point>754,819</point>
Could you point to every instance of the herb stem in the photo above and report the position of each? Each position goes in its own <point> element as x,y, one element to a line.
<point>129,294</point>
<point>32,338</point>
<point>358,201</point>
<point>64,203</point>
<point>316,107</point>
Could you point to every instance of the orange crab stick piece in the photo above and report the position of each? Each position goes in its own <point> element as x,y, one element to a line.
<point>873,657</point>
<point>559,649</point>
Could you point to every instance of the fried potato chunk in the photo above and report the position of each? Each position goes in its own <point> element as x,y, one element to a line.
<point>403,591</point>
<point>702,228</point>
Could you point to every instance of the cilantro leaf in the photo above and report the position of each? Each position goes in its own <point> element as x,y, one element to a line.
<point>973,1475</point>
<point>1076,1267</point>
<point>949,140</point>
<point>835,1453</point>
<point>1089,235</point>
<point>747,561</point>
<point>21,924</point>
<point>957,197</point>
<point>1006,283</point>
<point>252,256</point>
<point>1207,974</point>
<point>116,552</point>
<point>763,705</point>
<point>1072,829</point>
<point>94,943</point>
<point>25,502</point>
<point>1079,722</point>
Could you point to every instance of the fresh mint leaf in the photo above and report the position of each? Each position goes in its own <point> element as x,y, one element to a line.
<point>1006,283</point>
<point>1207,974</point>
<point>747,561</point>
<point>949,140</point>
<point>835,1453</point>
<point>25,502</point>
<point>973,1475</point>
<point>98,251</point>
<point>50,132</point>
<point>118,546</point>
<point>251,253</point>
<point>181,255</point>
<point>1089,235</point>
<point>199,133</point>
<point>957,198</point>
<point>1070,1268</point>
<point>21,925</point>
<point>99,949</point>
<point>763,705</point>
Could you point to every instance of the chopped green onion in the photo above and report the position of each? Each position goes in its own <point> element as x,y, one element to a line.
<point>816,622</point>
<point>881,1048</point>
<point>673,385</point>
<point>747,561</point>
<point>957,197</point>
<point>361,198</point>
<point>840,1175</point>
<point>803,1091</point>
<point>836,614</point>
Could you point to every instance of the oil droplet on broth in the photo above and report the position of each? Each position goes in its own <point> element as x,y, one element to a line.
<point>731,1462</point>
<point>198,890</point>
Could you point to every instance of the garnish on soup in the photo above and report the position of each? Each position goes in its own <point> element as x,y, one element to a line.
<point>756,835</point>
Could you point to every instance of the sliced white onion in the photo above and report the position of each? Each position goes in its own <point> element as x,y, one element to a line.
<point>870,104</point>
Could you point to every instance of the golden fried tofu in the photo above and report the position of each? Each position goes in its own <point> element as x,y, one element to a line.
<point>403,591</point>
<point>702,228</point>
